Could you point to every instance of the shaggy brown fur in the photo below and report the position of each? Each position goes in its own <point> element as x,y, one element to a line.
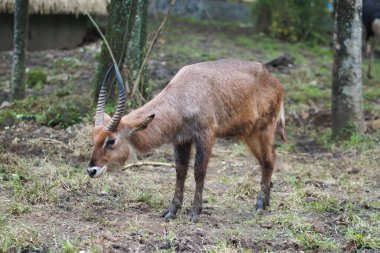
<point>202,102</point>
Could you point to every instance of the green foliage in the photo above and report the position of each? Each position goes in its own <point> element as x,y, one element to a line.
<point>68,62</point>
<point>302,94</point>
<point>360,142</point>
<point>293,20</point>
<point>17,208</point>
<point>70,110</point>
<point>70,247</point>
<point>149,197</point>
<point>323,204</point>
<point>61,110</point>
<point>305,233</point>
<point>313,240</point>
<point>7,117</point>
<point>17,238</point>
<point>362,234</point>
<point>35,79</point>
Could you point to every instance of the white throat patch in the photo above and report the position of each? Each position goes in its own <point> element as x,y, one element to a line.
<point>132,153</point>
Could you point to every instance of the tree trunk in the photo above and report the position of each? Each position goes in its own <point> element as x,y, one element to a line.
<point>137,51</point>
<point>21,20</point>
<point>347,99</point>
<point>119,28</point>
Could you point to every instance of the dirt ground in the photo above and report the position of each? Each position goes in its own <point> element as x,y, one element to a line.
<point>316,198</point>
<point>324,199</point>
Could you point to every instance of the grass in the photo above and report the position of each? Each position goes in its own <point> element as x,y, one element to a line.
<point>298,216</point>
<point>148,197</point>
<point>70,246</point>
<point>15,238</point>
<point>16,208</point>
<point>322,204</point>
<point>302,232</point>
<point>314,241</point>
<point>363,234</point>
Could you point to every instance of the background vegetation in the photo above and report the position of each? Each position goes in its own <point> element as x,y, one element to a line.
<point>294,20</point>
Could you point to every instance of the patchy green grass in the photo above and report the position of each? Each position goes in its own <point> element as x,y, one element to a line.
<point>14,238</point>
<point>363,234</point>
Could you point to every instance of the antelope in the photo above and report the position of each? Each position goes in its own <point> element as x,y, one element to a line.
<point>371,22</point>
<point>203,101</point>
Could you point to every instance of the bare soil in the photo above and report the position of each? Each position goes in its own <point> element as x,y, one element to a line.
<point>123,214</point>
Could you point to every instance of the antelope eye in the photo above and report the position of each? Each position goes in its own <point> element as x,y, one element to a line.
<point>110,142</point>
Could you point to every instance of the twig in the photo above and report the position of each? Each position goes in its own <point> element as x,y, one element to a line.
<point>126,75</point>
<point>103,38</point>
<point>139,164</point>
<point>136,84</point>
<point>211,19</point>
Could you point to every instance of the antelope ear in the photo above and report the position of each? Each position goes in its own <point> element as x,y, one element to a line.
<point>144,124</point>
<point>140,125</point>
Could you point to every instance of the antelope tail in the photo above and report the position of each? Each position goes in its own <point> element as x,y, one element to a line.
<point>281,123</point>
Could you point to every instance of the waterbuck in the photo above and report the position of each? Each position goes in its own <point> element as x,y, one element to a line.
<point>203,101</point>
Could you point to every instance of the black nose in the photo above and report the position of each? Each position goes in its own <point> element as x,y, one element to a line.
<point>91,172</point>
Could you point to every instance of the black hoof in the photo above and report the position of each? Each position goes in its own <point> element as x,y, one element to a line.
<point>194,217</point>
<point>260,205</point>
<point>168,215</point>
<point>263,198</point>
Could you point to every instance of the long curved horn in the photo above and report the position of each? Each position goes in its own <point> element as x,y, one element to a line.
<point>99,116</point>
<point>121,104</point>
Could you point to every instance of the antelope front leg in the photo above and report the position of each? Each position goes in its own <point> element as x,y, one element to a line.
<point>202,156</point>
<point>182,157</point>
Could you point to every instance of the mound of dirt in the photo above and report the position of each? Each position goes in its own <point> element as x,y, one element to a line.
<point>29,140</point>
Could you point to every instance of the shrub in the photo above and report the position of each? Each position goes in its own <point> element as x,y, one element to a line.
<point>35,78</point>
<point>62,111</point>
<point>67,111</point>
<point>294,20</point>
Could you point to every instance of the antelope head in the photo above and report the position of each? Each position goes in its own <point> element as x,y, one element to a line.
<point>111,135</point>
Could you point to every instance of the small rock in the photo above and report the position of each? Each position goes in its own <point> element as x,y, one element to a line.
<point>110,238</point>
<point>15,141</point>
<point>5,104</point>
<point>315,183</point>
<point>330,182</point>
<point>353,171</point>
<point>376,124</point>
<point>199,233</point>
<point>267,225</point>
<point>309,199</point>
<point>318,228</point>
<point>341,222</point>
<point>60,77</point>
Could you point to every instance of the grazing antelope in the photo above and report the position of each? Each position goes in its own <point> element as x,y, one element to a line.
<point>371,21</point>
<point>202,102</point>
